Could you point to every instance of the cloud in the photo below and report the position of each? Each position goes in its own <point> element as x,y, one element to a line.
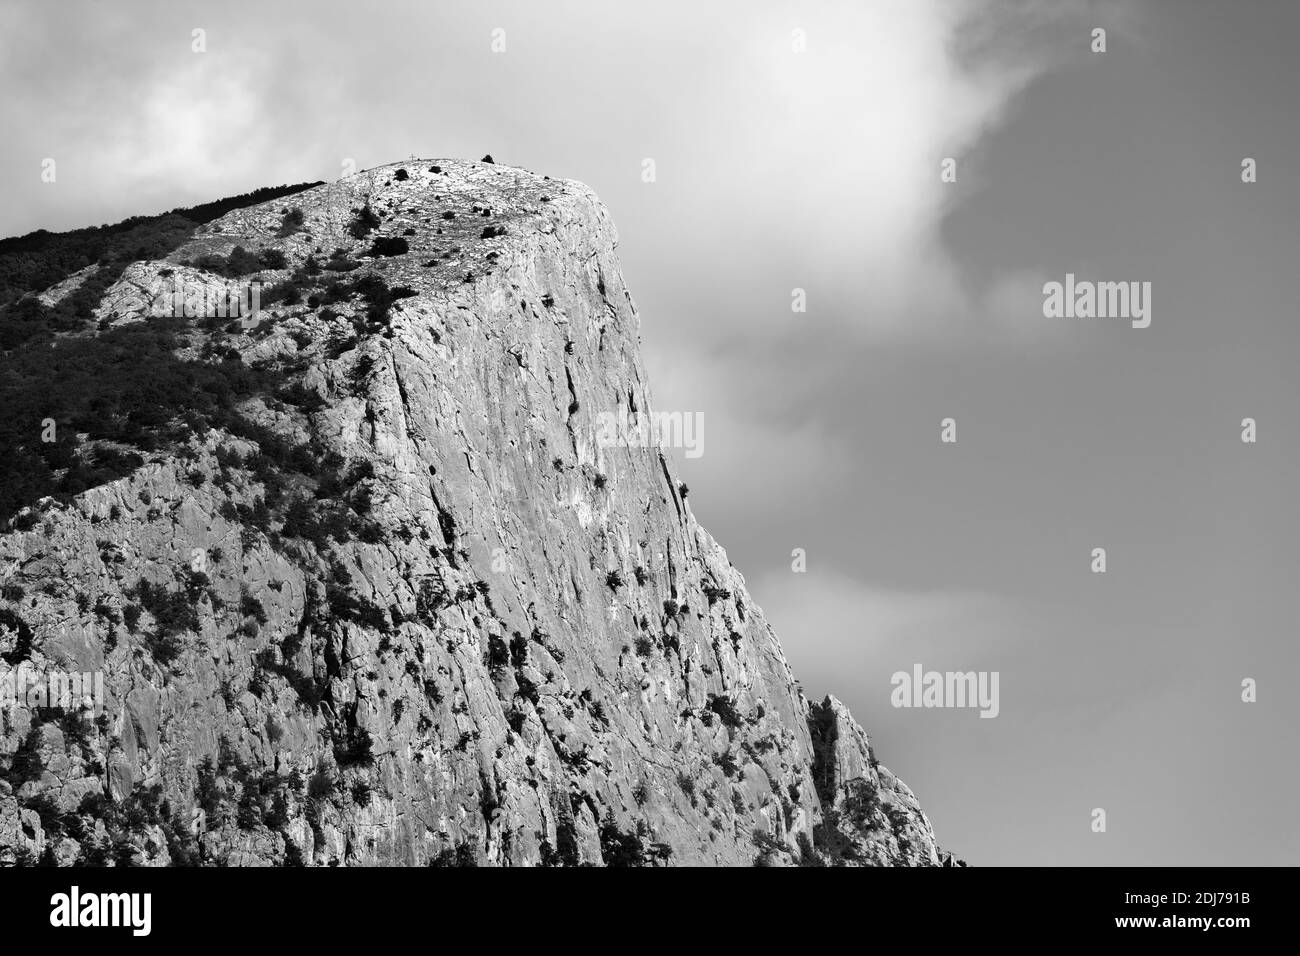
<point>845,637</point>
<point>831,160</point>
<point>753,454</point>
<point>204,119</point>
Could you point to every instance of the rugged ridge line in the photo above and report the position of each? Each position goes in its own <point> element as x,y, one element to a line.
<point>416,613</point>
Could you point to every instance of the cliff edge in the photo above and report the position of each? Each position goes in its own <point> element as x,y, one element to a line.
<point>385,591</point>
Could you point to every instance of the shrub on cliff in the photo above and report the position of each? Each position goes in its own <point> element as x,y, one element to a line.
<point>620,848</point>
<point>291,223</point>
<point>356,747</point>
<point>498,656</point>
<point>462,856</point>
<point>716,594</point>
<point>389,246</point>
<point>364,222</point>
<point>20,638</point>
<point>321,784</point>
<point>272,259</point>
<point>174,613</point>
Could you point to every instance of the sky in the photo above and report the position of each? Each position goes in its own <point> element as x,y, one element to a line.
<point>799,146</point>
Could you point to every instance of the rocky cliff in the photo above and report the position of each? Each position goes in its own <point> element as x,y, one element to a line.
<point>383,595</point>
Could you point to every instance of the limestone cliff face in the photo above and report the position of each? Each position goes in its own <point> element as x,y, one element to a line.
<point>530,653</point>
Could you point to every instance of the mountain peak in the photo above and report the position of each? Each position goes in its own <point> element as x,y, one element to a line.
<point>389,589</point>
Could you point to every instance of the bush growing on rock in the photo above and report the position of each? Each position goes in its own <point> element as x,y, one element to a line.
<point>240,262</point>
<point>173,612</point>
<point>250,606</point>
<point>620,848</point>
<point>19,635</point>
<point>462,856</point>
<point>321,784</point>
<point>364,222</point>
<point>716,594</point>
<point>389,246</point>
<point>498,656</point>
<point>293,854</point>
<point>687,786</point>
<point>770,850</point>
<point>356,747</point>
<point>340,261</point>
<point>291,222</point>
<point>272,259</point>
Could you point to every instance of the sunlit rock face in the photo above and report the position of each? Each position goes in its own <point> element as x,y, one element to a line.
<point>423,609</point>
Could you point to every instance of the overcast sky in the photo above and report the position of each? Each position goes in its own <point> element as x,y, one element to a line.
<point>820,170</point>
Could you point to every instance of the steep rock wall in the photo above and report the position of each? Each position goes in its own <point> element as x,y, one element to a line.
<point>531,652</point>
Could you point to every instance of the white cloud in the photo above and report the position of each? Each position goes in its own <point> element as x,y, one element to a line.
<point>847,141</point>
<point>206,120</point>
<point>842,635</point>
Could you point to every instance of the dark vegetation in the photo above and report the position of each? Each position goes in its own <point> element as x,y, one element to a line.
<point>40,259</point>
<point>629,848</point>
<point>389,246</point>
<point>125,822</point>
<point>364,222</point>
<point>104,400</point>
<point>726,711</point>
<point>716,594</point>
<point>291,223</point>
<point>240,262</point>
<point>462,856</point>
<point>125,388</point>
<point>21,647</point>
<point>128,391</point>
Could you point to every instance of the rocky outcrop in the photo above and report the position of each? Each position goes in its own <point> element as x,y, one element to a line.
<point>417,611</point>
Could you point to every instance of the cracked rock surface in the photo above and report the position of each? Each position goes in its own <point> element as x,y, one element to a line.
<point>529,654</point>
